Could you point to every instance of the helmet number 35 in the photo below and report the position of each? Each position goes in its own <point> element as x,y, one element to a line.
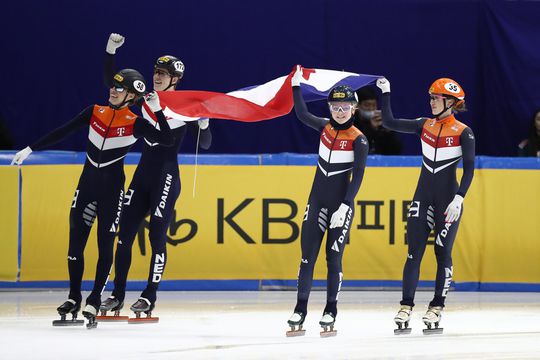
<point>452,87</point>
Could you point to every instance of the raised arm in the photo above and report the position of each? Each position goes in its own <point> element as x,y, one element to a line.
<point>300,107</point>
<point>109,68</point>
<point>412,126</point>
<point>304,115</point>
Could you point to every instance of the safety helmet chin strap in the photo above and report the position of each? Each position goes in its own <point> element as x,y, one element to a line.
<point>122,104</point>
<point>446,108</point>
<point>171,83</point>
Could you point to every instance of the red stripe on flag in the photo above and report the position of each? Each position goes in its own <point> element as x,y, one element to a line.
<point>222,106</point>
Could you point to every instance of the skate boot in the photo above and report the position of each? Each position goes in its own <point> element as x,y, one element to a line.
<point>296,321</point>
<point>142,305</point>
<point>431,319</point>
<point>111,304</point>
<point>69,307</point>
<point>402,320</point>
<point>327,323</point>
<point>90,311</point>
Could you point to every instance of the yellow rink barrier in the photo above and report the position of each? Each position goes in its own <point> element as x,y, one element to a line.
<point>9,214</point>
<point>245,221</point>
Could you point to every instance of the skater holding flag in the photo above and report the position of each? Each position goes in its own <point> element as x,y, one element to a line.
<point>343,152</point>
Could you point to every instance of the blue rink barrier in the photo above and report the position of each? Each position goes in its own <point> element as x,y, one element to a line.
<point>71,157</point>
<point>256,285</point>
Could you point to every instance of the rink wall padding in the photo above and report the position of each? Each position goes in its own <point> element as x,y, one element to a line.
<point>9,229</point>
<point>241,230</point>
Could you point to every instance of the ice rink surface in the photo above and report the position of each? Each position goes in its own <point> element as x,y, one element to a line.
<point>252,325</point>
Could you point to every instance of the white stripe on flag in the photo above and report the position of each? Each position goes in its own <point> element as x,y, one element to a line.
<point>324,80</point>
<point>262,94</point>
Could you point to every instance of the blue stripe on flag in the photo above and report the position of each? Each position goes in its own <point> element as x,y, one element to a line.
<point>310,93</point>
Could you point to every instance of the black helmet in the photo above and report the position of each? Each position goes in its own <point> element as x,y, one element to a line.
<point>132,80</point>
<point>171,64</point>
<point>342,93</point>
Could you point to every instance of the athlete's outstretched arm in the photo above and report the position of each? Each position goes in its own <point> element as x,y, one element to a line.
<point>142,127</point>
<point>303,114</point>
<point>79,121</point>
<point>361,150</point>
<point>468,153</point>
<point>412,126</point>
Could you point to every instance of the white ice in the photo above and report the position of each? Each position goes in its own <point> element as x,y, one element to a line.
<point>252,325</point>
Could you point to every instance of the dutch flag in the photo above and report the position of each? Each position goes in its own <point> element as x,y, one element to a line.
<point>259,102</point>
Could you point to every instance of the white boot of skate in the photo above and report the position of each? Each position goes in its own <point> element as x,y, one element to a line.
<point>431,319</point>
<point>89,310</point>
<point>402,320</point>
<point>296,321</point>
<point>327,323</point>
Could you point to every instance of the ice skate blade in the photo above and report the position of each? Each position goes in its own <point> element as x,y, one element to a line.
<point>91,325</point>
<point>295,333</point>
<point>68,322</point>
<point>143,320</point>
<point>433,331</point>
<point>328,333</point>
<point>404,331</point>
<point>112,318</point>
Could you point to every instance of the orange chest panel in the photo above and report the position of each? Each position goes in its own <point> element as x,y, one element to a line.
<point>110,123</point>
<point>339,139</point>
<point>443,133</point>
